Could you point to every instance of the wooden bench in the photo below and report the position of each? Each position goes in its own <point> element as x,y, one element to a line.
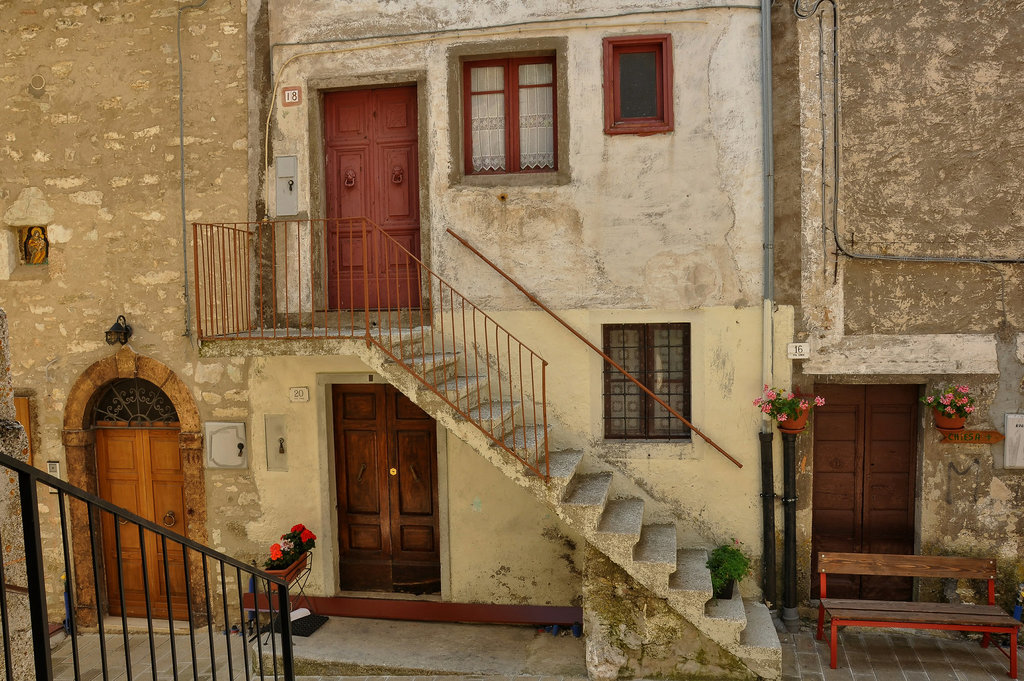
<point>987,619</point>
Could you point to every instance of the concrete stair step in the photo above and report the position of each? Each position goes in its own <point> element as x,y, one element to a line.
<point>564,462</point>
<point>465,391</point>
<point>654,556</point>
<point>761,648</point>
<point>497,417</point>
<point>436,368</point>
<point>618,531</point>
<point>623,516</point>
<point>727,616</point>
<point>586,497</point>
<point>689,587</point>
<point>528,434</point>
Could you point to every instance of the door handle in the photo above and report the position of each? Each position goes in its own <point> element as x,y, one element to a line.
<point>169,519</point>
<point>362,469</point>
<point>415,475</point>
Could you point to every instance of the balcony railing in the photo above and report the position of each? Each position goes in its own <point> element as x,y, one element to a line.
<point>208,596</point>
<point>348,278</point>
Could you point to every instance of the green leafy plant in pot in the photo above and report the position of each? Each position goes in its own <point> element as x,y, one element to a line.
<point>728,564</point>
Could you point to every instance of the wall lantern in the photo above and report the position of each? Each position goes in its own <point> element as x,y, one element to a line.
<point>120,332</point>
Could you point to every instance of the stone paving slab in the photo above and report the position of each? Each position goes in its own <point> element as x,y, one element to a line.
<point>869,655</point>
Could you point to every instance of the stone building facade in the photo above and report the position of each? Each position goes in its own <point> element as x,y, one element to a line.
<point>895,196</point>
<point>611,226</point>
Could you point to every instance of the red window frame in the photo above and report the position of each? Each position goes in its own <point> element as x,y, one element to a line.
<point>511,92</point>
<point>614,48</point>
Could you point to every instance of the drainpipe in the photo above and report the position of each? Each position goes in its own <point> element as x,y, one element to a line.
<point>768,515</point>
<point>790,616</point>
<point>768,306</point>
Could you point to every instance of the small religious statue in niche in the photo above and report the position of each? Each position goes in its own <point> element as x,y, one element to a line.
<point>36,246</point>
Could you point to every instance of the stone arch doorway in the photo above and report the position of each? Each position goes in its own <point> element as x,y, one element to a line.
<point>79,437</point>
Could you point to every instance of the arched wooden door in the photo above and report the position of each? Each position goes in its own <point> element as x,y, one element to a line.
<point>139,467</point>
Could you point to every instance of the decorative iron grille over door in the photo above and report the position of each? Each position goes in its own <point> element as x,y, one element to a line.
<point>135,401</point>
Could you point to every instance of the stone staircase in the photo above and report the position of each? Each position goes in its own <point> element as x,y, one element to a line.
<point>613,513</point>
<point>597,501</point>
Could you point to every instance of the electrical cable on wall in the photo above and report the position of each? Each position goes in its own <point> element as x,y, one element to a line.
<point>476,32</point>
<point>840,247</point>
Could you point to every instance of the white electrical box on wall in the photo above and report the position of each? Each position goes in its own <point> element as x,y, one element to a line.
<point>1013,450</point>
<point>225,445</point>
<point>286,187</point>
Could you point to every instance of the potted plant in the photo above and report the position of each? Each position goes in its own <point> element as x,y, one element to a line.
<point>728,564</point>
<point>786,407</point>
<point>289,556</point>
<point>951,405</point>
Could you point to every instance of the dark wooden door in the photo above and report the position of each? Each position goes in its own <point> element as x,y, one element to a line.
<point>372,172</point>
<point>865,470</point>
<point>141,470</point>
<point>386,466</point>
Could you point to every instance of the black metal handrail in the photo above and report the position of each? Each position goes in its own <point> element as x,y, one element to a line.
<point>28,479</point>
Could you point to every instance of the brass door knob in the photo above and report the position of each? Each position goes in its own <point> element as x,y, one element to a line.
<point>393,471</point>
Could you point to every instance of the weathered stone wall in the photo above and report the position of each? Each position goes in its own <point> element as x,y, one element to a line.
<point>90,151</point>
<point>13,443</point>
<point>927,169</point>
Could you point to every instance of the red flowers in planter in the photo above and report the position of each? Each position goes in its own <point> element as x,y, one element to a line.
<point>293,544</point>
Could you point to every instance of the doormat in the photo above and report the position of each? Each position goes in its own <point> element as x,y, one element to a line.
<point>303,626</point>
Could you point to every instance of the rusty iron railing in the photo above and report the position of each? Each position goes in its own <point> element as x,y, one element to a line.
<point>533,299</point>
<point>348,278</point>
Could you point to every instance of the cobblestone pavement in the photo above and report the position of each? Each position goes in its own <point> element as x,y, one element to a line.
<point>890,656</point>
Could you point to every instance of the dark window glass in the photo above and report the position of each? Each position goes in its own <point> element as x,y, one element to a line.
<point>658,355</point>
<point>638,85</point>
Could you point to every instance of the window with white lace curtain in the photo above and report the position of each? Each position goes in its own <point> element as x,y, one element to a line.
<point>510,122</point>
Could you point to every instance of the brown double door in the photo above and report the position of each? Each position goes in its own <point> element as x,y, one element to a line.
<point>373,172</point>
<point>865,470</point>
<point>386,466</point>
<point>140,469</point>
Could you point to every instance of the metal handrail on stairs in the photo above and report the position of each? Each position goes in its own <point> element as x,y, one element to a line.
<point>348,278</point>
<point>533,299</point>
<point>198,602</point>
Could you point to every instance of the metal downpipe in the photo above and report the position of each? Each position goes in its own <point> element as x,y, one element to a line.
<point>769,576</point>
<point>768,308</point>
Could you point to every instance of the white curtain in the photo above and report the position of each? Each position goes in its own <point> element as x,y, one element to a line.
<point>536,117</point>
<point>487,118</point>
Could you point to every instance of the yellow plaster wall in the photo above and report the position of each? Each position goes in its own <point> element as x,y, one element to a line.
<point>535,561</point>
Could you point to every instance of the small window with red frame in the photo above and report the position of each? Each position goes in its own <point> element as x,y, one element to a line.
<point>638,84</point>
<point>510,117</point>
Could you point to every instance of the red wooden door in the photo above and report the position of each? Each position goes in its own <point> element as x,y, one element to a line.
<point>386,467</point>
<point>865,470</point>
<point>141,470</point>
<point>372,172</point>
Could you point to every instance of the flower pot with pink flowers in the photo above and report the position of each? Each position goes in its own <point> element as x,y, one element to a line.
<point>789,409</point>
<point>951,405</point>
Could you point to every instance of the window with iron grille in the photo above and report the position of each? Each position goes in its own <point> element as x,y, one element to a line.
<point>658,355</point>
<point>510,117</point>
